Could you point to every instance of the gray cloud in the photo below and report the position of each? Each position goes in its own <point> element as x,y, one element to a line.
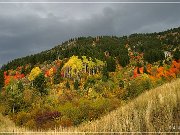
<point>30,28</point>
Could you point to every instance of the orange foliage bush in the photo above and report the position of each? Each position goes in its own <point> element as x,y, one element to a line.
<point>159,72</point>
<point>8,78</point>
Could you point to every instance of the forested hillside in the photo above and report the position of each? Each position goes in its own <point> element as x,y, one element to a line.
<point>95,47</point>
<point>85,78</point>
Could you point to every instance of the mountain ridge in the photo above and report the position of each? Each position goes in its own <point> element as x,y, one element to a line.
<point>61,51</point>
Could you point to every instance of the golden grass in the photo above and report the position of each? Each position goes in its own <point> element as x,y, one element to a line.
<point>6,125</point>
<point>157,110</point>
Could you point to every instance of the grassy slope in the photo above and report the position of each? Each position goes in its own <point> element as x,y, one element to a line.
<point>153,111</point>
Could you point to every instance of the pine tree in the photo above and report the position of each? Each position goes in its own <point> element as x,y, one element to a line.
<point>40,84</point>
<point>1,79</point>
<point>123,60</point>
<point>152,56</point>
<point>176,55</point>
<point>111,64</point>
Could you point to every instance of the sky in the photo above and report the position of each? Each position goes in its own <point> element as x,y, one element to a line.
<point>29,28</point>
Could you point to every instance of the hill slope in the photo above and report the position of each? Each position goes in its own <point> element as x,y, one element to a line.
<point>157,110</point>
<point>153,111</point>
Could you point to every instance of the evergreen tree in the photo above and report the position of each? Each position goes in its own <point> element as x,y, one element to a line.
<point>57,76</point>
<point>152,56</point>
<point>1,78</point>
<point>123,60</point>
<point>23,71</point>
<point>176,55</point>
<point>40,84</point>
<point>111,64</point>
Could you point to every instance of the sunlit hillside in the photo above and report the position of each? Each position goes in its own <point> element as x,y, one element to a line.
<point>157,110</point>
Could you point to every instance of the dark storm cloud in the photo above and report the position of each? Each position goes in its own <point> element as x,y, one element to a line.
<point>30,28</point>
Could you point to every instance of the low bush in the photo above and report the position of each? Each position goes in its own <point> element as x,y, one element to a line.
<point>47,119</point>
<point>66,122</point>
<point>22,118</point>
<point>138,85</point>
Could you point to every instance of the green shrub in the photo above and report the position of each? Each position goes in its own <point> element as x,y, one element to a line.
<point>67,85</point>
<point>22,118</point>
<point>99,88</point>
<point>121,84</point>
<point>84,107</point>
<point>31,124</point>
<point>76,85</point>
<point>138,85</point>
<point>71,112</point>
<point>105,74</point>
<point>89,83</point>
<point>20,86</point>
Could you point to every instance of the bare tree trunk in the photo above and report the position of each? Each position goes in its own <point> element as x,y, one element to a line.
<point>13,108</point>
<point>93,71</point>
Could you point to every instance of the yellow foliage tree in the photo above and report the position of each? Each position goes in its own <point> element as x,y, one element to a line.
<point>99,64</point>
<point>73,66</point>
<point>85,63</point>
<point>34,73</point>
